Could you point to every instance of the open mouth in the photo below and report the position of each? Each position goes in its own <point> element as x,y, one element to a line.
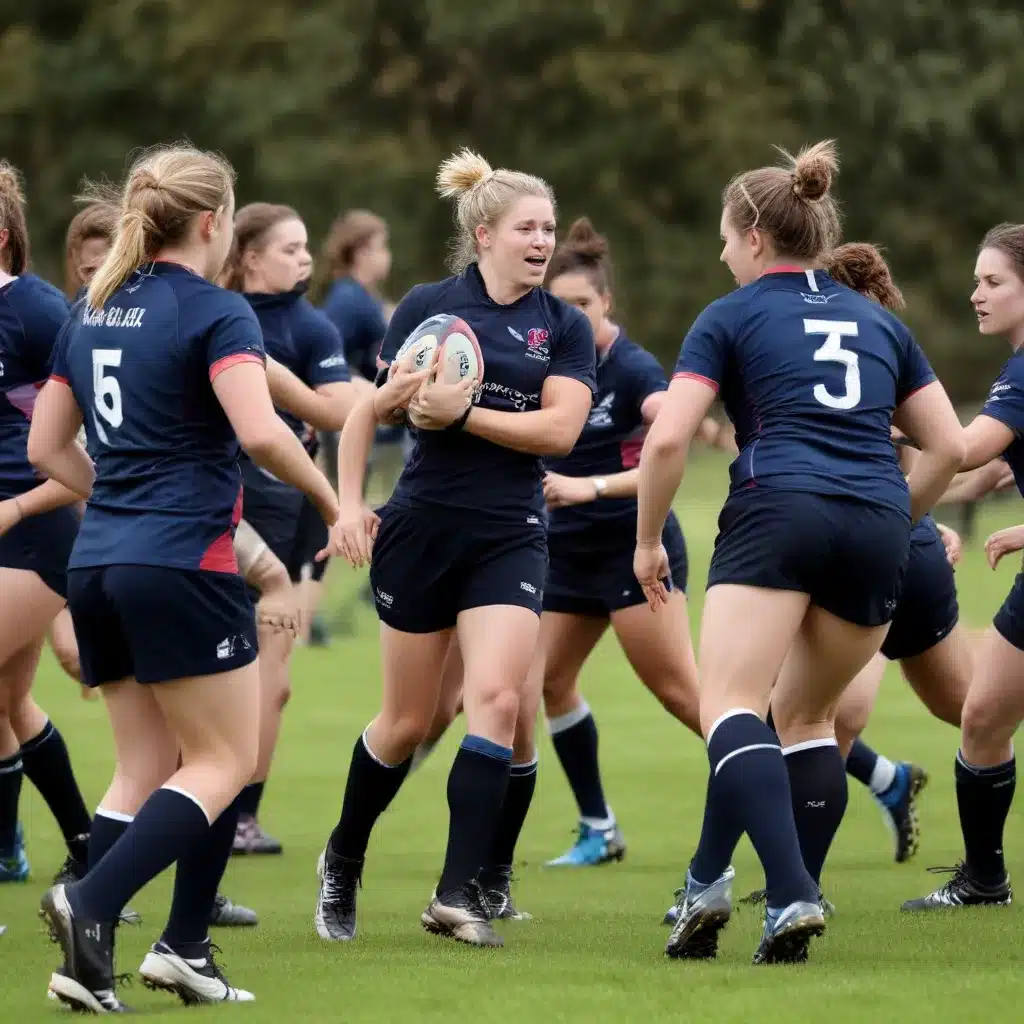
<point>537,261</point>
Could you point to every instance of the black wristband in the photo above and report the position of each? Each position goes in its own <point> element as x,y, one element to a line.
<point>458,424</point>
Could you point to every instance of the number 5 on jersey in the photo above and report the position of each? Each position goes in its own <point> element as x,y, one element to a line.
<point>106,390</point>
<point>832,351</point>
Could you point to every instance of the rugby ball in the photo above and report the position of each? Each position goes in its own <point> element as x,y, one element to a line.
<point>459,354</point>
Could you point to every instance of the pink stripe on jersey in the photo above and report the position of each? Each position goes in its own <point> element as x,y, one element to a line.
<point>233,360</point>
<point>696,376</point>
<point>23,398</point>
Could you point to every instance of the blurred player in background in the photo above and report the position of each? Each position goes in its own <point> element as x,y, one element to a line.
<point>37,530</point>
<point>270,263</point>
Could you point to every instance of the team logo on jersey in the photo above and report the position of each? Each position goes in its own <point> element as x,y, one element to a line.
<point>1,367</point>
<point>515,334</point>
<point>537,343</point>
<point>601,414</point>
<point>816,298</point>
<point>998,388</point>
<point>336,360</point>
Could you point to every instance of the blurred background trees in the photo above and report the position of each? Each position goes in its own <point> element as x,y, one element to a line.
<point>637,111</point>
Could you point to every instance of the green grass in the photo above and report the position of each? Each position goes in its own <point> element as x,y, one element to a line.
<point>595,950</point>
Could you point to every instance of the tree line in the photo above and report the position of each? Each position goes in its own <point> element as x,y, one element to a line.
<point>638,113</point>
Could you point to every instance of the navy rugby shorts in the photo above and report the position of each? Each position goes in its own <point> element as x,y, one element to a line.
<point>157,624</point>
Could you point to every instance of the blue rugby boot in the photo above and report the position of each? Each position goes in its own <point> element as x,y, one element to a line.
<point>899,807</point>
<point>14,865</point>
<point>788,932</point>
<point>593,846</point>
<point>701,912</point>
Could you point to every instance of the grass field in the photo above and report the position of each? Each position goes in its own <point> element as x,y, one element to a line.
<point>595,949</point>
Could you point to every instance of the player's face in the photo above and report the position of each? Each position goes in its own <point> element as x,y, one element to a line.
<point>375,257</point>
<point>91,254</point>
<point>519,246</point>
<point>282,261</point>
<point>998,297</point>
<point>741,251</point>
<point>578,290</point>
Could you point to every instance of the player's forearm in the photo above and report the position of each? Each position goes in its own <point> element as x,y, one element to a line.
<point>324,412</point>
<point>620,485</point>
<point>545,432</point>
<point>929,479</point>
<point>354,450</point>
<point>68,467</point>
<point>281,453</point>
<point>46,497</point>
<point>659,475</point>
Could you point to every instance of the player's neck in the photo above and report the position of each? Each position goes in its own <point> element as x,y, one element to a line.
<point>188,259</point>
<point>606,336</point>
<point>1016,337</point>
<point>502,292</point>
<point>786,266</point>
<point>362,277</point>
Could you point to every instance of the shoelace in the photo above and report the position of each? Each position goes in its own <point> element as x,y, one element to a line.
<point>959,873</point>
<point>340,889</point>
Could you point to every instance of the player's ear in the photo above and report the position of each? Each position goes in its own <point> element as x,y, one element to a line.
<point>483,236</point>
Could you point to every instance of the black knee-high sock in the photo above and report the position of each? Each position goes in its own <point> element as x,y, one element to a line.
<point>574,736</point>
<point>369,789</point>
<point>749,776</point>
<point>817,783</point>
<point>477,785</point>
<point>107,828</point>
<point>196,881</point>
<point>48,767</point>
<point>10,794</point>
<point>249,799</point>
<point>169,824</point>
<point>984,796</point>
<point>522,781</point>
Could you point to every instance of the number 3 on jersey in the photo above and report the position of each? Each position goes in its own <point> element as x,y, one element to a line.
<point>832,351</point>
<point>106,390</point>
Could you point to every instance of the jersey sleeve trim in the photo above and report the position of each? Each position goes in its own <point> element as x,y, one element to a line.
<point>59,379</point>
<point>234,359</point>
<point>698,377</point>
<point>918,387</point>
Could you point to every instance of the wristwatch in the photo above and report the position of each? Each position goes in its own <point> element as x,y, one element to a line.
<point>600,486</point>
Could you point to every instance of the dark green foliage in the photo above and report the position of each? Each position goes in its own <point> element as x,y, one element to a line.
<point>638,113</point>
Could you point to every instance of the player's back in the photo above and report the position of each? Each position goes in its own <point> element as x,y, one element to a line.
<point>32,312</point>
<point>810,373</point>
<point>167,480</point>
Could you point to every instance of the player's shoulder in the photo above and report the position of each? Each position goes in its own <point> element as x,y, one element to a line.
<point>628,350</point>
<point>314,320</point>
<point>203,304</point>
<point>561,317</point>
<point>37,302</point>
<point>1012,372</point>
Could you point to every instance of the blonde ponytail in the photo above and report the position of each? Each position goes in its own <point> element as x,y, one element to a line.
<point>165,189</point>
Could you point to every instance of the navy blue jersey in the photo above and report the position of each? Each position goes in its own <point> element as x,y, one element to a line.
<point>168,486</point>
<point>359,316</point>
<point>1005,403</point>
<point>610,442</point>
<point>523,343</point>
<point>31,315</point>
<point>302,338</point>
<point>809,373</point>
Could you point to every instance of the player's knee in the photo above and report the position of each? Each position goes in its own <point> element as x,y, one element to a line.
<point>498,705</point>
<point>284,695</point>
<point>983,724</point>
